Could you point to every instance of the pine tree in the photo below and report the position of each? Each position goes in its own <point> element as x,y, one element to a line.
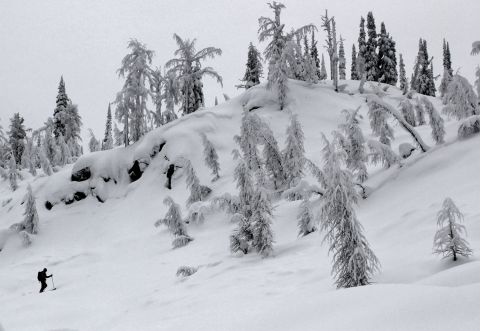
<point>314,54</point>
<point>386,60</point>
<point>403,76</point>
<point>408,112</point>
<point>4,148</point>
<point>30,220</point>
<point>460,99</point>
<point>197,192</point>
<point>261,223</point>
<point>12,173</point>
<point>254,68</point>
<point>107,142</point>
<point>371,49</point>
<point>294,153</point>
<point>72,124</point>
<point>59,112</point>
<point>353,69</point>
<point>16,137</point>
<point>132,100</point>
<point>211,157</point>
<point>323,70</point>
<point>436,121</point>
<point>381,153</point>
<point>353,260</point>
<point>175,224</point>
<point>305,219</point>
<point>448,240</point>
<point>188,69</point>
<point>342,63</point>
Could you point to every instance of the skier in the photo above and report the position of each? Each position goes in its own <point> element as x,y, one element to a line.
<point>169,172</point>
<point>42,278</point>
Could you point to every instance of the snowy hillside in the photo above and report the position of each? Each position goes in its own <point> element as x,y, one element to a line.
<point>115,271</point>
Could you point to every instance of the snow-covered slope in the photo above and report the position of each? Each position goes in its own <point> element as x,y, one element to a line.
<point>115,271</point>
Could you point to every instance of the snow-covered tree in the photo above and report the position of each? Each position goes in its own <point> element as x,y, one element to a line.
<point>261,223</point>
<point>362,38</point>
<point>254,68</point>
<point>378,121</point>
<point>174,223</point>
<point>449,240</point>
<point>187,66</point>
<point>93,144</point>
<point>323,70</point>
<point>362,74</point>
<point>422,78</point>
<point>30,220</point>
<point>72,123</point>
<point>354,145</point>
<point>29,156</point>
<point>353,69</point>
<point>249,139</point>
<point>329,26</point>
<point>117,135</point>
<point>309,67</point>
<point>305,219</point>
<point>446,79</point>
<point>386,60</point>
<point>63,155</point>
<point>447,69</point>
<point>477,82</point>
<point>16,137</point>
<point>314,54</point>
<point>419,113</point>
<point>408,112</point>
<point>211,157</point>
<point>371,49</point>
<point>403,76</point>
<point>294,153</point>
<point>342,62</point>
<point>273,158</point>
<point>59,112</point>
<point>353,261</point>
<point>435,120</point>
<point>49,144</point>
<point>460,99</point>
<point>107,142</point>
<point>381,153</point>
<point>13,173</point>
<point>4,148</point>
<point>132,100</point>
<point>197,192</point>
<point>45,163</point>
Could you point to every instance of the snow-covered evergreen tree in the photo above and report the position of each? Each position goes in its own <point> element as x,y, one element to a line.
<point>381,153</point>
<point>408,112</point>
<point>403,76</point>
<point>16,137</point>
<point>446,79</point>
<point>188,69</point>
<point>460,99</point>
<point>49,144</point>
<point>314,54</point>
<point>132,100</point>
<point>342,62</point>
<point>59,112</point>
<point>294,153</point>
<point>107,142</point>
<point>175,224</point>
<point>477,82</point>
<point>419,113</point>
<point>29,156</point>
<point>422,78</point>
<point>305,219</point>
<point>45,163</point>
<point>378,122</point>
<point>261,223</point>
<point>371,49</point>
<point>63,155</point>
<point>329,26</point>
<point>117,135</point>
<point>362,74</point>
<point>211,157</point>
<point>435,120</point>
<point>254,68</point>
<point>197,192</point>
<point>4,148</point>
<point>449,240</point>
<point>273,158</point>
<point>72,123</point>
<point>323,70</point>
<point>13,173</point>
<point>386,60</point>
<point>309,67</point>
<point>353,261</point>
<point>353,69</point>
<point>249,139</point>
<point>93,143</point>
<point>354,145</point>
<point>30,220</point>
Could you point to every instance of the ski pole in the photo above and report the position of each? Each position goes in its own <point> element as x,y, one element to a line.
<point>53,284</point>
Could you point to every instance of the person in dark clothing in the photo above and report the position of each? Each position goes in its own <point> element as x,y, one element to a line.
<point>42,278</point>
<point>169,172</point>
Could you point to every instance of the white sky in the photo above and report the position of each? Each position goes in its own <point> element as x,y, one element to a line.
<point>85,41</point>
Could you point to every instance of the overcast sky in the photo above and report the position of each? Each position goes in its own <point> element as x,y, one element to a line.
<point>85,40</point>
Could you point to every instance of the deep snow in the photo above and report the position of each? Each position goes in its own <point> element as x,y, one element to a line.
<point>115,271</point>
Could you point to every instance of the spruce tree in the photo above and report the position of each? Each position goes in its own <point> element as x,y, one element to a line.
<point>403,76</point>
<point>314,54</point>
<point>211,157</point>
<point>435,120</point>
<point>460,99</point>
<point>422,78</point>
<point>371,49</point>
<point>107,142</point>
<point>62,154</point>
<point>408,112</point>
<point>305,219</point>
<point>448,240</point>
<point>294,153</point>
<point>13,173</point>
<point>386,60</point>
<point>254,68</point>
<point>353,69</point>
<point>29,156</point>
<point>323,70</point>
<point>175,224</point>
<point>378,122</point>
<point>261,223</point>
<point>16,137</point>
<point>60,108</point>
<point>197,192</point>
<point>342,63</point>
<point>30,220</point>
<point>447,69</point>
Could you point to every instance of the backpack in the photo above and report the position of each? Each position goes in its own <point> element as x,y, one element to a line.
<point>39,276</point>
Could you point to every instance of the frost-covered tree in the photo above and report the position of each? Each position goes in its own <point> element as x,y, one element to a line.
<point>72,122</point>
<point>362,74</point>
<point>460,99</point>
<point>45,163</point>
<point>30,220</point>
<point>132,100</point>
<point>29,156</point>
<point>60,108</point>
<point>211,157</point>
<point>249,139</point>
<point>294,153</point>
<point>16,136</point>
<point>403,76</point>
<point>305,219</point>
<point>371,56</point>
<point>49,144</point>
<point>273,158</point>
<point>117,135</point>
<point>435,120</point>
<point>378,121</point>
<point>329,26</point>
<point>387,59</point>
<point>447,69</point>
<point>408,112</point>
<point>13,173</point>
<point>422,79</point>
<point>362,39</point>
<point>107,142</point>
<point>197,192</point>
<point>449,240</point>
<point>354,144</point>
<point>353,69</point>
<point>62,155</point>
<point>323,70</point>
<point>382,154</point>
<point>353,261</point>
<point>93,143</point>
<point>254,68</point>
<point>174,223</point>
<point>314,54</point>
<point>309,68</point>
<point>261,223</point>
<point>4,148</point>
<point>342,62</point>
<point>187,66</point>
<point>419,113</point>
<point>477,82</point>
